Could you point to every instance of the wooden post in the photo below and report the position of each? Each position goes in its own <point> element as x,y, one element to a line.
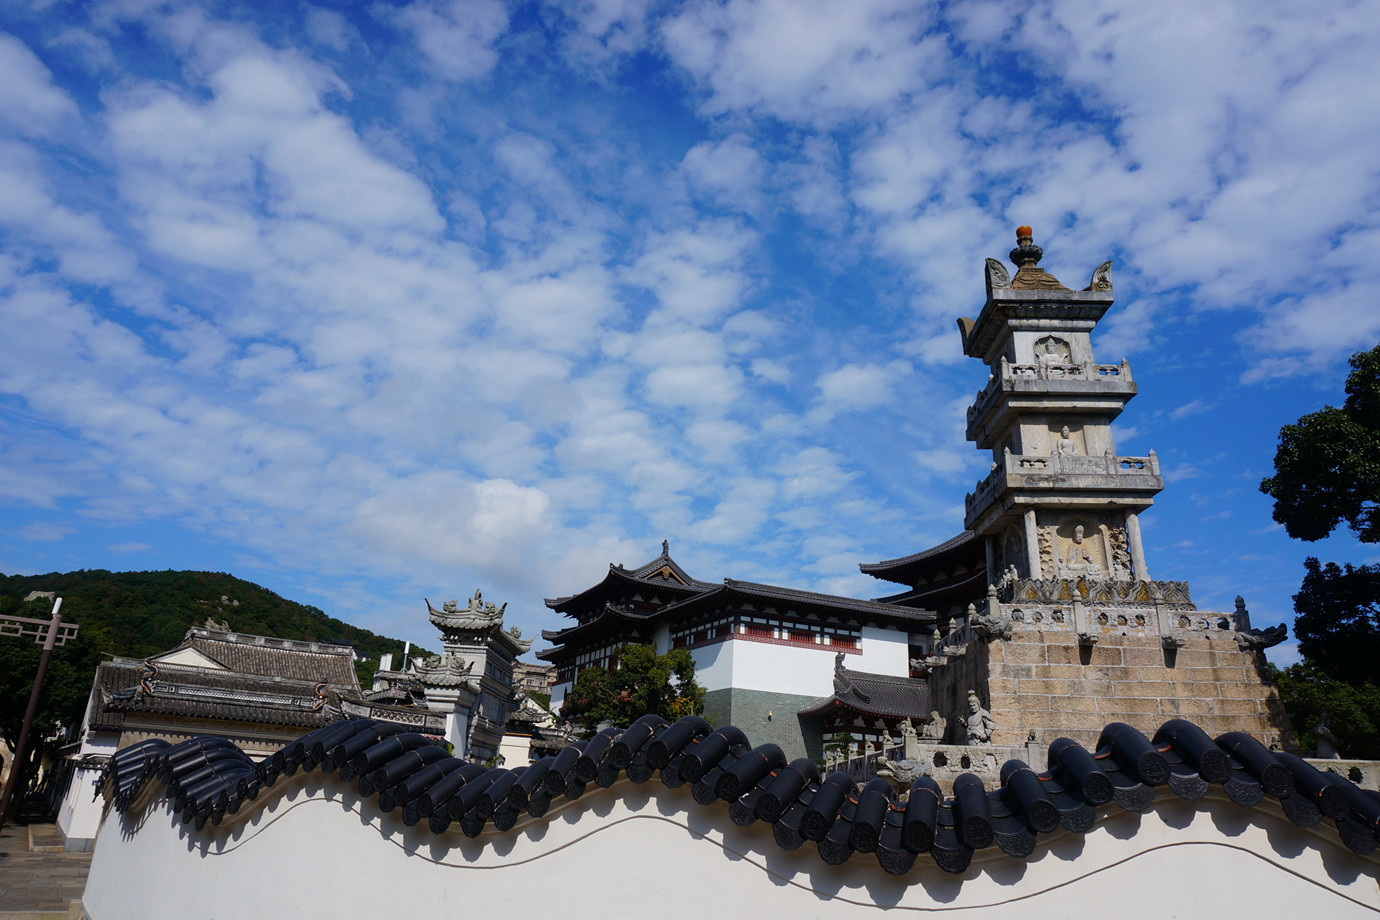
<point>17,765</point>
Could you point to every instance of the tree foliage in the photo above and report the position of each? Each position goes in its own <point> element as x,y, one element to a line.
<point>1327,470</point>
<point>1338,622</point>
<point>1327,467</point>
<point>1352,709</point>
<point>644,682</point>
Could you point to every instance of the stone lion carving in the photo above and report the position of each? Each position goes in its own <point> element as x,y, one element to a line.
<point>992,625</point>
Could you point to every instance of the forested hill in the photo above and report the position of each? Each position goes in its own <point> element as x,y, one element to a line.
<point>142,613</point>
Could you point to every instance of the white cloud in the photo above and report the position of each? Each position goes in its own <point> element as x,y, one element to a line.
<point>729,171</point>
<point>30,104</point>
<point>855,387</point>
<point>44,532</point>
<point>815,60</point>
<point>457,36</point>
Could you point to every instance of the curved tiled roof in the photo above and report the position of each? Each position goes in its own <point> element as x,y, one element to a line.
<point>268,656</point>
<point>875,695</point>
<point>207,779</point>
<point>831,603</point>
<point>904,569</point>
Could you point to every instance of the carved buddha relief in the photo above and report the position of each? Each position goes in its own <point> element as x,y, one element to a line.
<point>1067,439</point>
<point>1052,350</point>
<point>1048,566</point>
<point>1081,550</point>
<point>1121,553</point>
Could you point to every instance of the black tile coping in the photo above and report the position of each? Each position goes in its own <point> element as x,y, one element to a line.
<point>207,778</point>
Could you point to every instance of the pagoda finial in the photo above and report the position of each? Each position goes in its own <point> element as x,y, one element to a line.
<point>1026,254</point>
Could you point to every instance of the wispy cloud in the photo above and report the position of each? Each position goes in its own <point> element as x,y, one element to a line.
<point>400,300</point>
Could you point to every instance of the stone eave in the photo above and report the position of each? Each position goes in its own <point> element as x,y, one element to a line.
<point>1008,309</point>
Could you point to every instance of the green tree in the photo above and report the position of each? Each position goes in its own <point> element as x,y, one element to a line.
<point>643,682</point>
<point>1327,467</point>
<point>1352,709</point>
<point>1338,622</point>
<point>62,700</point>
<point>1327,471</point>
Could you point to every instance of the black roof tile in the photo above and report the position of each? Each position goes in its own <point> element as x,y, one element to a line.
<point>208,778</point>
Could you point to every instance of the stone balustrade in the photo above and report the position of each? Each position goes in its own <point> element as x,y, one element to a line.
<point>1066,471</point>
<point>1030,377</point>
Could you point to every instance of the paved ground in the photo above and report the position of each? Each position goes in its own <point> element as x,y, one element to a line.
<point>38,881</point>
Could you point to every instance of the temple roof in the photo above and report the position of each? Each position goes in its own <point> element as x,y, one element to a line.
<point>882,695</point>
<point>828,604</point>
<point>127,686</point>
<point>966,548</point>
<point>662,574</point>
<point>271,657</point>
<point>611,617</point>
<point>1176,768</point>
<point>217,674</point>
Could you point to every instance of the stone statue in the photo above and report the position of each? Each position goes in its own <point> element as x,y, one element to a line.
<point>934,729</point>
<point>910,740</point>
<point>1066,445</point>
<point>980,721</point>
<point>1077,560</point>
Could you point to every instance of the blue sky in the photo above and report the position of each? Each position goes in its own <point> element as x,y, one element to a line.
<point>372,302</point>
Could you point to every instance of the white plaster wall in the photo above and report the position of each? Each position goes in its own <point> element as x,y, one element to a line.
<point>79,818</point>
<point>516,750</point>
<point>884,651</point>
<point>714,665</point>
<point>319,851</point>
<point>807,671</point>
<point>661,638</point>
<point>558,693</point>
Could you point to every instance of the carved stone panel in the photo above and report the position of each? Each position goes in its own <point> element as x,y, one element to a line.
<point>1081,551</point>
<point>1067,439</point>
<point>1052,350</point>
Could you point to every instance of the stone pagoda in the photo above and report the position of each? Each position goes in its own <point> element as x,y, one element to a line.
<point>1058,503</point>
<point>1048,613</point>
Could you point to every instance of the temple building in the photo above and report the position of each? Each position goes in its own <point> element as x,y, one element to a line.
<point>770,658</point>
<point>258,692</point>
<point>1041,615</point>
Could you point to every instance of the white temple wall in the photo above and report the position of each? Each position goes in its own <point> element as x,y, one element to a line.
<point>318,850</point>
<point>884,651</point>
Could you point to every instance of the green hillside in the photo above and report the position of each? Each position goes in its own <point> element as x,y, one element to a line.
<point>141,613</point>
<point>138,614</point>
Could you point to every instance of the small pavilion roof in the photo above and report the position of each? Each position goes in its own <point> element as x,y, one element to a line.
<point>882,695</point>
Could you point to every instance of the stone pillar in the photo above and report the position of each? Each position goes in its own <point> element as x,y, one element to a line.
<point>1137,550</point>
<point>1032,544</point>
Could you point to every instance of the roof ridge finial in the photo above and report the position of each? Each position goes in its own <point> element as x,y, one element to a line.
<point>665,547</point>
<point>1026,254</point>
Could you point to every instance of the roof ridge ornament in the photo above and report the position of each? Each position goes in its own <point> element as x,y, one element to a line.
<point>1027,256</point>
<point>1101,279</point>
